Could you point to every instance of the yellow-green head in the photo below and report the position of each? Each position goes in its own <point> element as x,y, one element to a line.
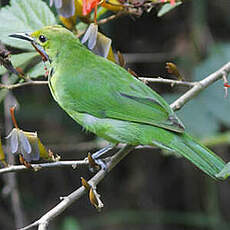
<point>48,40</point>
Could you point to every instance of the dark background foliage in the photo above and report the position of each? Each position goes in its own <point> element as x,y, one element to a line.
<point>147,189</point>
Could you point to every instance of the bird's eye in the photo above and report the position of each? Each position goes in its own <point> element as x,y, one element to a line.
<point>42,38</point>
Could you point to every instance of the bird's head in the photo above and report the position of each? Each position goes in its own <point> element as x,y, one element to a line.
<point>47,41</point>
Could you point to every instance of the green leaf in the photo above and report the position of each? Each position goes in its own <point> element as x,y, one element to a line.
<point>166,8</point>
<point>23,16</point>
<point>225,172</point>
<point>18,60</point>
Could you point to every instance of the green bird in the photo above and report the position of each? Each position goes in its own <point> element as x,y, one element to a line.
<point>108,101</point>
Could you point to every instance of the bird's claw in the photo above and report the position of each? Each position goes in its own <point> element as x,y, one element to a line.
<point>99,164</point>
<point>95,163</point>
<point>102,163</point>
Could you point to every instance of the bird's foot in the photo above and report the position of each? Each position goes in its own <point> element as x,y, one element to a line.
<point>102,151</point>
<point>95,163</point>
<point>102,164</point>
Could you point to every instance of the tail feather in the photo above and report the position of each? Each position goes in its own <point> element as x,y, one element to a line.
<point>197,153</point>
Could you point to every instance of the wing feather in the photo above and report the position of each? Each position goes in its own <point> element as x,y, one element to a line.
<point>105,90</point>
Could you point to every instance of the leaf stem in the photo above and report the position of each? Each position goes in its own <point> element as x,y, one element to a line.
<point>12,110</point>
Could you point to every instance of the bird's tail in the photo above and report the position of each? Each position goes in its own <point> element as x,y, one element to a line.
<point>197,153</point>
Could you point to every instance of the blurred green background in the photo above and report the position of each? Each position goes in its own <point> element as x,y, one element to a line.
<point>147,189</point>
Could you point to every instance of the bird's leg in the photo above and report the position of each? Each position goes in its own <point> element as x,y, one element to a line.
<point>99,153</point>
<point>102,151</point>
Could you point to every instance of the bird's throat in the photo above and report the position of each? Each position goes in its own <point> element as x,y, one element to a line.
<point>41,51</point>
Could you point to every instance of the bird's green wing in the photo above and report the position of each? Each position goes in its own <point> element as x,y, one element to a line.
<point>105,90</point>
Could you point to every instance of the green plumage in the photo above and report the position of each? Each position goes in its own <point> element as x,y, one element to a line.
<point>108,101</point>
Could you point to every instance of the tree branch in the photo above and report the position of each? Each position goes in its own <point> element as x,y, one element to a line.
<point>19,168</point>
<point>197,87</point>
<point>144,79</point>
<point>13,86</point>
<point>77,194</point>
<point>168,81</point>
<point>200,86</point>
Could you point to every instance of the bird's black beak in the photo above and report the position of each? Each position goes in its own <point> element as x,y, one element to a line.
<point>23,36</point>
<point>38,48</point>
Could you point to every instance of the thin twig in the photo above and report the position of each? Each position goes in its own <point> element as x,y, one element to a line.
<point>23,84</point>
<point>167,81</point>
<point>61,164</point>
<point>110,18</point>
<point>17,168</point>
<point>145,79</point>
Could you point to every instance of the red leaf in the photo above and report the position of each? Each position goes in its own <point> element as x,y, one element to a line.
<point>88,6</point>
<point>171,1</point>
<point>226,85</point>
